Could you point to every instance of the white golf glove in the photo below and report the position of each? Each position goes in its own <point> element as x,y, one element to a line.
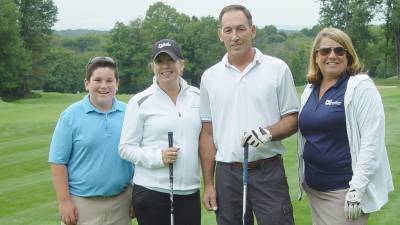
<point>256,138</point>
<point>352,207</point>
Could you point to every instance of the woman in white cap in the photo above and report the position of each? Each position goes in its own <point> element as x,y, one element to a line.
<point>168,105</point>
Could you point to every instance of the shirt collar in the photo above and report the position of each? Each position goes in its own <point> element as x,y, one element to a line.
<point>256,60</point>
<point>338,83</point>
<point>182,83</point>
<point>342,79</point>
<point>88,107</point>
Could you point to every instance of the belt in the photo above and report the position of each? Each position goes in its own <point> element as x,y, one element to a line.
<point>256,164</point>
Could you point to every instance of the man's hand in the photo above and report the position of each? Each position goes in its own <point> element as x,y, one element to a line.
<point>68,213</point>
<point>256,138</point>
<point>352,207</point>
<point>210,198</point>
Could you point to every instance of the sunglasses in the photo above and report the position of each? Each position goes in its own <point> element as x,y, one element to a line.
<point>101,59</point>
<point>339,51</point>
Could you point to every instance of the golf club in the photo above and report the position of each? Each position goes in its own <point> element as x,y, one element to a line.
<point>245,178</point>
<point>171,178</point>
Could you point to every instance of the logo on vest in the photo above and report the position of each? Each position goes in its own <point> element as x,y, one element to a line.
<point>330,102</point>
<point>162,45</point>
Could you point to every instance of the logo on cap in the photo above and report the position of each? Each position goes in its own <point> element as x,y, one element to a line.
<point>165,44</point>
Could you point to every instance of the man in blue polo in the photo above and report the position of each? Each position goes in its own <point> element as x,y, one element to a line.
<point>252,93</point>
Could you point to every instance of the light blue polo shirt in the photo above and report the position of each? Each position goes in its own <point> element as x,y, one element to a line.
<point>86,141</point>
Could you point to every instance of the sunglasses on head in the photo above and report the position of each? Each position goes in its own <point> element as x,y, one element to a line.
<point>339,51</point>
<point>101,59</point>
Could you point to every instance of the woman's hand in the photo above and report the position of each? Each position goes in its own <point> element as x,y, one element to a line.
<point>169,155</point>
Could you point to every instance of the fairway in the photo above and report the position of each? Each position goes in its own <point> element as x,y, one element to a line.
<point>26,191</point>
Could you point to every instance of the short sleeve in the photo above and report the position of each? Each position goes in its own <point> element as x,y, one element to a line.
<point>287,95</point>
<point>205,110</point>
<point>61,142</point>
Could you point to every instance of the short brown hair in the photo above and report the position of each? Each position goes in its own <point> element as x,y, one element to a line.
<point>236,8</point>
<point>354,66</point>
<point>101,61</point>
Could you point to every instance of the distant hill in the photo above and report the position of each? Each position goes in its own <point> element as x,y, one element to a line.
<point>79,32</point>
<point>291,27</point>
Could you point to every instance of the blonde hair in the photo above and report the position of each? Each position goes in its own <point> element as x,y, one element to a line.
<point>354,66</point>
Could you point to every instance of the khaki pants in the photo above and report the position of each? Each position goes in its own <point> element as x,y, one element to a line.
<point>104,210</point>
<point>327,208</point>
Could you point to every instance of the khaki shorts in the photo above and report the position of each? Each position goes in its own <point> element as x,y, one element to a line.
<point>327,208</point>
<point>104,210</point>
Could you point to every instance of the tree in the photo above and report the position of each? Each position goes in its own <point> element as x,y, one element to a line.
<point>85,43</point>
<point>201,47</point>
<point>132,44</point>
<point>163,21</point>
<point>381,53</point>
<point>128,47</point>
<point>37,19</point>
<point>351,16</point>
<point>14,60</point>
<point>334,13</point>
<point>294,51</point>
<point>64,71</point>
<point>393,26</point>
<point>311,32</point>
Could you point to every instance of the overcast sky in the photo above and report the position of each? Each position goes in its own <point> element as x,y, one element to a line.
<point>103,14</point>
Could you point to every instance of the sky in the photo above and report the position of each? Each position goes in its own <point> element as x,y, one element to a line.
<point>103,14</point>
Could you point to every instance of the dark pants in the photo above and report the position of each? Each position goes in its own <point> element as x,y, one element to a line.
<point>267,194</point>
<point>153,207</point>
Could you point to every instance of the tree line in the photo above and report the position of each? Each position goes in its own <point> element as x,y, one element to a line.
<point>25,31</point>
<point>34,57</point>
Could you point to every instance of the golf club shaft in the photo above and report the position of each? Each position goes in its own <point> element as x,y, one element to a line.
<point>245,178</point>
<point>171,178</point>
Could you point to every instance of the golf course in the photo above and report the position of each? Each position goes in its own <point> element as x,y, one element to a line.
<point>26,191</point>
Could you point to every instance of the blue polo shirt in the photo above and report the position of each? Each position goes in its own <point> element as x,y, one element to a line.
<point>86,141</point>
<point>326,151</point>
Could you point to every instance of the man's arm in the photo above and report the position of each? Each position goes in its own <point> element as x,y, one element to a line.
<point>284,127</point>
<point>68,211</point>
<point>207,157</point>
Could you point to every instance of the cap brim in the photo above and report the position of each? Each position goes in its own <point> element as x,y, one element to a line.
<point>171,54</point>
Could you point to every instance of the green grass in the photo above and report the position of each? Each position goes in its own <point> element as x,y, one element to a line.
<point>26,191</point>
<point>391,81</point>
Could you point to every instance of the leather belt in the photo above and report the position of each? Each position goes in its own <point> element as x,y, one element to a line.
<point>256,164</point>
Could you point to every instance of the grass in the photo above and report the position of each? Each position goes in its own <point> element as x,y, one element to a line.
<point>391,81</point>
<point>26,191</point>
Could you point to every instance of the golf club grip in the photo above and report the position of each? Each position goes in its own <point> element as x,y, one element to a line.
<point>170,144</point>
<point>170,139</point>
<point>246,152</point>
<point>245,164</point>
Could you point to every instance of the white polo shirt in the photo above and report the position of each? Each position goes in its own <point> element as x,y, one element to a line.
<point>237,102</point>
<point>150,115</point>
